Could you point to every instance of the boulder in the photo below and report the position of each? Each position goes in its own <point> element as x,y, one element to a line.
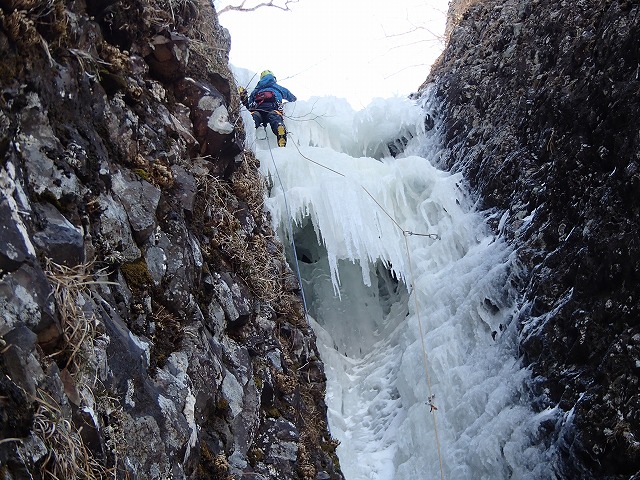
<point>59,239</point>
<point>26,298</point>
<point>185,187</point>
<point>234,298</point>
<point>211,126</point>
<point>169,56</point>
<point>20,363</point>
<point>115,231</point>
<point>140,200</point>
<point>15,244</point>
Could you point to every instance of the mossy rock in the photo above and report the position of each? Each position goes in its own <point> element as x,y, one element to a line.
<point>222,406</point>
<point>255,455</point>
<point>211,465</point>
<point>142,174</point>
<point>137,274</point>
<point>167,337</point>
<point>272,412</point>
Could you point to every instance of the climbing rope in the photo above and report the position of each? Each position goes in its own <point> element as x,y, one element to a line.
<point>290,225</point>
<point>431,397</point>
<point>434,236</point>
<point>406,234</point>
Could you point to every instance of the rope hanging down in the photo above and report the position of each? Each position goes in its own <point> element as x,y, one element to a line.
<point>434,236</point>
<point>289,217</point>
<point>430,398</point>
<point>406,234</point>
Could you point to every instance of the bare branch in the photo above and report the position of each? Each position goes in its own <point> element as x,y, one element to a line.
<point>406,68</point>
<point>270,3</point>
<point>416,33</point>
<point>415,28</point>
<point>391,35</point>
<point>305,69</point>
<point>424,40</point>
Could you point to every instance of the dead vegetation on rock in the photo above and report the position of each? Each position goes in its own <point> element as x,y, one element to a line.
<point>79,327</point>
<point>167,328</point>
<point>67,456</point>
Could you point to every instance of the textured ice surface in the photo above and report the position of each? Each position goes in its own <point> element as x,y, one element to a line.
<point>384,299</point>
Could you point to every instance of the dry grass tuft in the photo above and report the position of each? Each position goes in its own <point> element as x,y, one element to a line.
<point>290,306</point>
<point>255,257</point>
<point>89,64</point>
<point>176,15</point>
<point>194,18</point>
<point>206,35</point>
<point>249,185</point>
<point>315,432</point>
<point>167,337</point>
<point>67,455</point>
<point>35,8</point>
<point>247,253</point>
<point>112,413</point>
<point>211,207</point>
<point>79,327</point>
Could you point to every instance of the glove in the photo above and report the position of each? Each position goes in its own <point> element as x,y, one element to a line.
<point>243,96</point>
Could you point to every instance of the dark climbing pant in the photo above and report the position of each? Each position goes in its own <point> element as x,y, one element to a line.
<point>274,119</point>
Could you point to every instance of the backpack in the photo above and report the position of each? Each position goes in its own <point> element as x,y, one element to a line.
<point>265,96</point>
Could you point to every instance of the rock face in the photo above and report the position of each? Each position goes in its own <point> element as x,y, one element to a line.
<point>149,327</point>
<point>541,100</point>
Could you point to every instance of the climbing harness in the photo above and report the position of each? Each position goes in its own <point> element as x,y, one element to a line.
<point>406,233</point>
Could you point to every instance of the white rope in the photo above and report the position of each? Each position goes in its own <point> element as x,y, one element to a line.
<point>430,398</point>
<point>406,233</point>
<point>290,225</point>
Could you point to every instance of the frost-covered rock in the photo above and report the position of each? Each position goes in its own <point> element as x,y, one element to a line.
<point>169,56</point>
<point>212,129</point>
<point>540,106</point>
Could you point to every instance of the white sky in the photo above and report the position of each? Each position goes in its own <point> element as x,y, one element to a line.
<point>353,49</point>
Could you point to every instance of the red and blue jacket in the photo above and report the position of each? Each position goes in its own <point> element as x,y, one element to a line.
<point>269,95</point>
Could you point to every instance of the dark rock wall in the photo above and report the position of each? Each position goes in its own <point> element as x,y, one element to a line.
<point>150,326</point>
<point>541,101</point>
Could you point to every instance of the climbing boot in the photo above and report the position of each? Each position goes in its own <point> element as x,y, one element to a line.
<point>282,136</point>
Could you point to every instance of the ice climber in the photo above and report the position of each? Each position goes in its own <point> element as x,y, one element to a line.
<point>265,104</point>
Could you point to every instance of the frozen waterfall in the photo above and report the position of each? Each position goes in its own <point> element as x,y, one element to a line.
<point>389,247</point>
